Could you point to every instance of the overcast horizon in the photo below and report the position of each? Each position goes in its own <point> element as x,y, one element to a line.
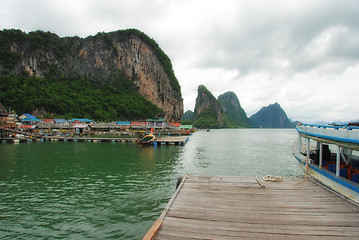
<point>302,54</point>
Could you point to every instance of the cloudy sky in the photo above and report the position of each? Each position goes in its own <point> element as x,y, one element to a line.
<point>303,54</point>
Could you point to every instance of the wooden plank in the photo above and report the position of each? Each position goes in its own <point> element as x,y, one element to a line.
<point>172,234</point>
<point>156,226</point>
<point>263,208</point>
<point>153,230</point>
<point>218,207</point>
<point>251,230</point>
<point>250,216</point>
<point>250,227</point>
<point>169,139</point>
<point>261,198</point>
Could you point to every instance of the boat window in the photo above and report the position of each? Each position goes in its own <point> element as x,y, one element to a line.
<point>333,148</point>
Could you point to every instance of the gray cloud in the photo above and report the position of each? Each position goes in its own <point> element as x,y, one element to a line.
<point>294,52</point>
<point>270,40</point>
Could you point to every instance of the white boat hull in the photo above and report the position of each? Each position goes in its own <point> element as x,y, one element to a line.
<point>340,185</point>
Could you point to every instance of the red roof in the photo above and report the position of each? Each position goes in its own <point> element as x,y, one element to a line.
<point>47,120</point>
<point>138,123</point>
<point>26,126</point>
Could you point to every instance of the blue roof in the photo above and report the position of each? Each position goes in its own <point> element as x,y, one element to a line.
<point>81,120</point>
<point>123,122</point>
<point>60,120</point>
<point>30,118</point>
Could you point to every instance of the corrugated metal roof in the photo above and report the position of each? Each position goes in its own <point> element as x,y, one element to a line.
<point>156,120</point>
<point>80,126</point>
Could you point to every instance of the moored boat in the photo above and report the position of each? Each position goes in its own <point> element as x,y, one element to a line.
<point>330,155</point>
<point>147,140</point>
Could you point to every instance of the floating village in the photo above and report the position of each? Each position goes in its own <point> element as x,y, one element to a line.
<point>153,131</point>
<point>324,207</point>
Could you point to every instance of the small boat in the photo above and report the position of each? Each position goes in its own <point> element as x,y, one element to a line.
<point>329,154</point>
<point>147,140</point>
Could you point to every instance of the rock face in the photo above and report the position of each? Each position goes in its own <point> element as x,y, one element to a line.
<point>100,59</point>
<point>272,116</point>
<point>234,114</point>
<point>208,112</point>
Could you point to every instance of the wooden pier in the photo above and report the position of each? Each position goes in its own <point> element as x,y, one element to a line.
<point>171,140</point>
<point>168,140</point>
<point>88,139</point>
<point>208,207</point>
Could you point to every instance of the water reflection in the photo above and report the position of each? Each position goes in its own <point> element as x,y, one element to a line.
<point>87,190</point>
<point>240,152</point>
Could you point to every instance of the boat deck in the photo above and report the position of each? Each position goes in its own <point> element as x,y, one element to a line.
<point>215,207</point>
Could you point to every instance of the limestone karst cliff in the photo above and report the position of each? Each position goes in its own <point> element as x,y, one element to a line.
<point>208,112</point>
<point>234,114</point>
<point>102,60</point>
<point>227,112</point>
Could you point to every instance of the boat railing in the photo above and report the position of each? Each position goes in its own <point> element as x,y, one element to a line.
<point>335,127</point>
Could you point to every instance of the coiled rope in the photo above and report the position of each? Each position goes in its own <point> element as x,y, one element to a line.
<point>271,178</point>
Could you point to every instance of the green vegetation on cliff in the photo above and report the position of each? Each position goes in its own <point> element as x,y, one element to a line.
<point>208,118</point>
<point>36,40</point>
<point>234,115</point>
<point>48,41</point>
<point>69,98</point>
<point>272,116</point>
<point>67,88</point>
<point>208,111</point>
<point>187,118</point>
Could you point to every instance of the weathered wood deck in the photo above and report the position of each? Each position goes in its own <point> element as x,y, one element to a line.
<point>88,139</point>
<point>208,207</point>
<point>176,140</point>
<point>168,140</point>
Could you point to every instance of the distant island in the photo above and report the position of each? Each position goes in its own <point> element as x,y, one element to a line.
<point>226,112</point>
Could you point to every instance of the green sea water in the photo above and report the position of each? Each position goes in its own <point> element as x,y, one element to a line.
<point>85,190</point>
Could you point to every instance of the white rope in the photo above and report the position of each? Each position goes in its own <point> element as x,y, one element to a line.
<point>271,178</point>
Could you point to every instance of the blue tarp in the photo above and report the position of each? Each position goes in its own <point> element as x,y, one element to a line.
<point>81,120</point>
<point>30,118</point>
<point>123,122</point>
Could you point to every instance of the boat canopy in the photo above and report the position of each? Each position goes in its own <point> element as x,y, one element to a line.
<point>343,136</point>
